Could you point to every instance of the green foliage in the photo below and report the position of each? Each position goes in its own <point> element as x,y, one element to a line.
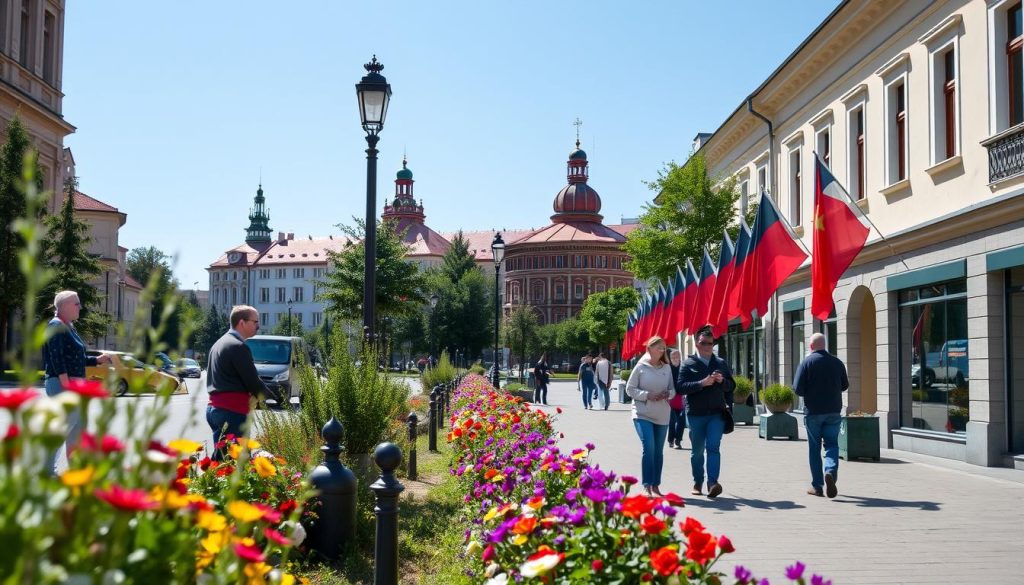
<point>520,332</point>
<point>148,263</point>
<point>464,316</point>
<point>209,331</point>
<point>66,252</point>
<point>458,260</point>
<point>286,326</point>
<point>744,388</point>
<point>477,369</point>
<point>605,314</point>
<point>15,154</point>
<point>624,374</point>
<point>689,213</point>
<point>442,373</point>
<point>778,394</point>
<point>572,337</point>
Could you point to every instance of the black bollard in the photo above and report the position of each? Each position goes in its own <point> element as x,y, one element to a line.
<point>448,399</point>
<point>336,489</point>
<point>388,457</point>
<point>413,419</point>
<point>440,407</point>
<point>431,427</point>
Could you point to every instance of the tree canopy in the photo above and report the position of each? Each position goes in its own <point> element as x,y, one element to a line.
<point>605,314</point>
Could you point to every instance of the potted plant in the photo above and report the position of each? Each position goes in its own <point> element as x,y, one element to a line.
<point>741,413</point>
<point>958,417</point>
<point>858,436</point>
<point>778,398</point>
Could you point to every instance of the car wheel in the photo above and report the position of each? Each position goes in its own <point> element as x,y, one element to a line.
<point>122,387</point>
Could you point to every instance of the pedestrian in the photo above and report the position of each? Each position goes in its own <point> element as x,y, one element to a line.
<point>677,420</point>
<point>707,382</point>
<point>821,379</point>
<point>651,387</point>
<point>604,379</point>
<point>64,359</point>
<point>541,374</point>
<point>586,378</point>
<point>231,377</point>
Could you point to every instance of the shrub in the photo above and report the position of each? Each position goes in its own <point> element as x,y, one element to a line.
<point>515,386</point>
<point>744,388</point>
<point>778,394</point>
<point>442,373</point>
<point>624,374</point>
<point>477,369</point>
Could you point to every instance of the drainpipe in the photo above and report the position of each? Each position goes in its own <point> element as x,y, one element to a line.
<point>771,337</point>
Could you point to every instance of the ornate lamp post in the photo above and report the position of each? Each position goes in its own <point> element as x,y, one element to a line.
<point>374,93</point>
<point>290,317</point>
<point>433,305</point>
<point>498,252</point>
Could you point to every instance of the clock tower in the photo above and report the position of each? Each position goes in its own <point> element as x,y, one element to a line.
<point>258,231</point>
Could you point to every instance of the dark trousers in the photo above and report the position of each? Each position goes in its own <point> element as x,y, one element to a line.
<point>676,426</point>
<point>222,423</point>
<point>540,393</point>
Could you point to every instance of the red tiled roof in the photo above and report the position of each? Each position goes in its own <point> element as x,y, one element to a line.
<point>85,203</point>
<point>132,283</point>
<point>625,228</point>
<point>480,241</point>
<point>573,231</point>
<point>297,251</point>
<point>423,241</point>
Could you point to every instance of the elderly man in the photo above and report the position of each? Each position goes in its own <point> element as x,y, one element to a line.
<point>231,377</point>
<point>821,380</point>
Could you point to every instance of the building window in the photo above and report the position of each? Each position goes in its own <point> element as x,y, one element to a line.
<point>281,293</point>
<point>298,317</point>
<point>559,261</point>
<point>265,273</point>
<point>318,319</point>
<point>299,273</point>
<point>943,42</point>
<point>234,296</point>
<point>578,289</point>
<point>949,102</point>
<point>856,170</point>
<point>319,272</point>
<point>297,294</point>
<point>25,38</point>
<point>278,317</point>
<point>744,195</point>
<point>1015,64</point>
<point>599,287</point>
<point>559,292</point>
<point>265,317</point>
<point>896,125</point>
<point>823,142</point>
<point>282,273</point>
<point>795,194</point>
<point>537,293</point>
<point>245,295</point>
<point>49,44</point>
<point>762,179</point>
<point>934,364</point>
<point>829,329</point>
<point>797,345</point>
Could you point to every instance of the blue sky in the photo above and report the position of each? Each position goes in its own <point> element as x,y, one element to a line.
<point>180,106</point>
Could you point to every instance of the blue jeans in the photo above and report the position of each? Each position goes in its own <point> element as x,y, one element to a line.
<point>540,393</point>
<point>74,421</point>
<point>223,422</point>
<point>652,438</point>
<point>822,428</point>
<point>604,398</point>
<point>676,426</point>
<point>588,393</point>
<point>705,433</point>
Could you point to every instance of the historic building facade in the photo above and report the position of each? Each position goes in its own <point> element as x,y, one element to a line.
<point>917,109</point>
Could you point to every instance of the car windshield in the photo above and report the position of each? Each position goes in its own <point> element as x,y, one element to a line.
<point>188,362</point>
<point>269,351</point>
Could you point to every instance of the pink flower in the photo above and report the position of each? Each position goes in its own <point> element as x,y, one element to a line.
<point>250,553</point>
<point>13,399</point>
<point>88,388</point>
<point>126,499</point>
<point>725,544</point>
<point>275,536</point>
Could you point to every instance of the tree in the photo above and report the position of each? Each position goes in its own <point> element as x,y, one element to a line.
<point>213,326</point>
<point>291,327</point>
<point>521,333</point>
<point>399,284</point>
<point>463,317</point>
<point>605,314</point>
<point>148,263</point>
<point>573,338</point>
<point>457,260</point>
<point>65,250</point>
<point>13,206</point>
<point>689,213</point>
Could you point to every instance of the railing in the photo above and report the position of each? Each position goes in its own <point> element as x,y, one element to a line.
<point>1005,154</point>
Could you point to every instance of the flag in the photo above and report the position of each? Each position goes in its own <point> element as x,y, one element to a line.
<point>689,301</point>
<point>658,315</point>
<point>839,235</point>
<point>675,308</point>
<point>665,323</point>
<point>644,326</point>
<point>627,339</point>
<point>731,305</point>
<point>706,288</point>
<point>716,317</point>
<point>773,256</point>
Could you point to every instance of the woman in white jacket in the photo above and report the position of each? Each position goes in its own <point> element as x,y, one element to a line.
<point>651,387</point>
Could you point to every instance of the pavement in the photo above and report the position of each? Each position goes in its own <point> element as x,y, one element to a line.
<point>905,519</point>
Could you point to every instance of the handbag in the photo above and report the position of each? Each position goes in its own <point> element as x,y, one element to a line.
<point>729,423</point>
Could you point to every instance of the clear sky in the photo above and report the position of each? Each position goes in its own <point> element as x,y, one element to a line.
<point>180,106</point>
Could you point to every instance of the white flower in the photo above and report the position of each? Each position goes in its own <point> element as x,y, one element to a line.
<point>540,565</point>
<point>296,533</point>
<point>491,569</point>
<point>113,577</point>
<point>501,579</point>
<point>473,547</point>
<point>68,399</point>
<point>159,457</point>
<point>46,417</point>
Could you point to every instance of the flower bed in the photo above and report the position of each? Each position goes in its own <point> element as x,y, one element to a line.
<point>540,513</point>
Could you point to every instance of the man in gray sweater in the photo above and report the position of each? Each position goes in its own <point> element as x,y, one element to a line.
<point>231,377</point>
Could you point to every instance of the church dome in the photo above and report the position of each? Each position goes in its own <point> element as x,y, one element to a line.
<point>405,173</point>
<point>578,154</point>
<point>577,198</point>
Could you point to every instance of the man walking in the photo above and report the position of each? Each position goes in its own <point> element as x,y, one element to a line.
<point>821,380</point>
<point>604,379</point>
<point>231,377</point>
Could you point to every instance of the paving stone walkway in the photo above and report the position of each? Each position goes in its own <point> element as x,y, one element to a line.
<point>905,519</point>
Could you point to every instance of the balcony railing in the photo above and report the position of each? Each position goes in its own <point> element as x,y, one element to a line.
<point>1005,154</point>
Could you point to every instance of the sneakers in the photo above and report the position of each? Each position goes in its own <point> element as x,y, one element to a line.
<point>830,485</point>
<point>715,490</point>
<point>696,490</point>
<point>813,491</point>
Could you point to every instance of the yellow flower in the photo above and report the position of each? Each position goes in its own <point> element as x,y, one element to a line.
<point>255,572</point>
<point>244,511</point>
<point>184,446</point>
<point>252,445</point>
<point>203,559</point>
<point>211,521</point>
<point>491,514</point>
<point>519,539</point>
<point>215,541</point>
<point>234,450</point>
<point>264,467</point>
<point>76,478</point>
<point>280,460</point>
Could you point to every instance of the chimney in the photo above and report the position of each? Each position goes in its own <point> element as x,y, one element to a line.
<point>291,236</point>
<point>280,236</point>
<point>700,140</point>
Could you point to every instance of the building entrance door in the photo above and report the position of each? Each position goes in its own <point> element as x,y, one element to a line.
<point>1015,353</point>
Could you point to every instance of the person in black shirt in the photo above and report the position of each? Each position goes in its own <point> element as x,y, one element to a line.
<point>540,376</point>
<point>821,379</point>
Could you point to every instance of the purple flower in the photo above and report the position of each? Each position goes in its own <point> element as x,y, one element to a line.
<point>794,572</point>
<point>572,494</point>
<point>589,446</point>
<point>596,494</point>
<point>819,580</point>
<point>559,540</point>
<point>743,574</point>
<point>763,582</point>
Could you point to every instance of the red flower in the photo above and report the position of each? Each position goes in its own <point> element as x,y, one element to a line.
<point>597,566</point>
<point>725,544</point>
<point>652,525</point>
<point>674,499</point>
<point>88,388</point>
<point>125,499</point>
<point>179,487</point>
<point>637,506</point>
<point>525,525</point>
<point>287,507</point>
<point>13,399</point>
<point>690,525</point>
<point>224,470</point>
<point>12,433</point>
<point>275,536</point>
<point>646,577</point>
<point>252,554</point>
<point>269,514</point>
<point>488,554</point>
<point>665,561</point>
<point>700,547</point>
<point>558,409</point>
<point>158,446</point>
<point>204,463</point>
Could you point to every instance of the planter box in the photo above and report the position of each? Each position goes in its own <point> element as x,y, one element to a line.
<point>743,414</point>
<point>858,438</point>
<point>778,424</point>
<point>526,395</point>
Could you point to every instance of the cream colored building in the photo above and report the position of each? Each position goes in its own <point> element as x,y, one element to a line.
<point>918,109</point>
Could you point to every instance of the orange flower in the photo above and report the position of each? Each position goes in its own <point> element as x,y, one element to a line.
<point>637,506</point>
<point>525,525</point>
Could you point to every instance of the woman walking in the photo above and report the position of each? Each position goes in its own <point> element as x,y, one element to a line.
<point>677,420</point>
<point>586,378</point>
<point>64,359</point>
<point>651,387</point>
<point>540,380</point>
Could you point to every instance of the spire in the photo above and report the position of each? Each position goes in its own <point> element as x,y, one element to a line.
<point>404,204</point>
<point>258,231</point>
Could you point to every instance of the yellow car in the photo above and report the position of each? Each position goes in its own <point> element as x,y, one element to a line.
<point>124,369</point>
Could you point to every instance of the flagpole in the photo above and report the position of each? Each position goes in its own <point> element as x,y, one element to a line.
<point>861,213</point>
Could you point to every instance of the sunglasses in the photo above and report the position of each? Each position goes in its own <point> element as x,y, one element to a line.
<point>706,343</point>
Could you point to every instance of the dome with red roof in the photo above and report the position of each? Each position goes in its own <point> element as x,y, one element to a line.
<point>577,201</point>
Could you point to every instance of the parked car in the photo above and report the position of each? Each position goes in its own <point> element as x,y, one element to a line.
<point>277,360</point>
<point>948,366</point>
<point>125,370</point>
<point>188,368</point>
<point>165,364</point>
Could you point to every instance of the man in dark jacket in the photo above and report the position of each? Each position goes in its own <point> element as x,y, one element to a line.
<point>821,380</point>
<point>231,377</point>
<point>707,382</point>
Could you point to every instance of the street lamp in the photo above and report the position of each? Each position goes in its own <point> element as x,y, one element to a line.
<point>433,305</point>
<point>374,93</point>
<point>498,252</point>
<point>290,317</point>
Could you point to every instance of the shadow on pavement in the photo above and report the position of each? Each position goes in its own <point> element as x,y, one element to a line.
<point>728,504</point>
<point>884,503</point>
